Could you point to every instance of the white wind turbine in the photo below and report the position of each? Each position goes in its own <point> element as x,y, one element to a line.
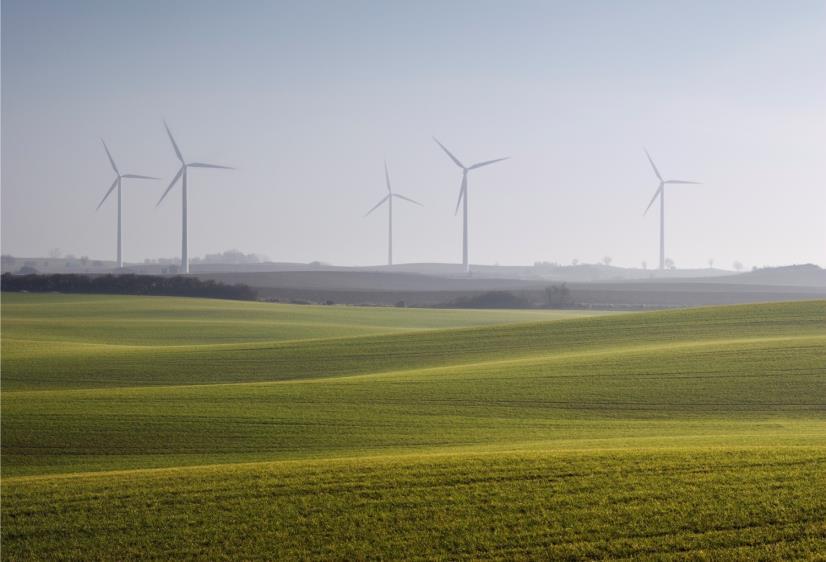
<point>118,183</point>
<point>182,174</point>
<point>389,200</point>
<point>463,197</point>
<point>661,194</point>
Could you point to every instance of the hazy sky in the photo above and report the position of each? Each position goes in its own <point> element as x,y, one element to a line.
<point>307,98</point>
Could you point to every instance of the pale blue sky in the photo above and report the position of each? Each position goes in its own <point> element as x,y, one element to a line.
<point>307,98</point>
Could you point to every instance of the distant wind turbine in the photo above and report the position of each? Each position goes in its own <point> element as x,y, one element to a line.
<point>463,197</point>
<point>182,175</point>
<point>389,200</point>
<point>117,183</point>
<point>661,194</point>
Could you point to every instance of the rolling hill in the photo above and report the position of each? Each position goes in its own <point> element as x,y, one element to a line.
<point>159,427</point>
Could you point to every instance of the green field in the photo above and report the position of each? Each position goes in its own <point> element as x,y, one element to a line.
<point>158,428</point>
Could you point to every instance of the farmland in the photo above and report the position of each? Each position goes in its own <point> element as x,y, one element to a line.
<point>139,427</point>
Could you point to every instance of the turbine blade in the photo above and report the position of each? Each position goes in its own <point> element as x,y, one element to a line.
<point>111,189</point>
<point>656,193</point>
<point>202,165</point>
<point>681,181</point>
<point>387,177</point>
<point>461,192</point>
<point>456,160</point>
<point>407,199</point>
<point>480,164</point>
<point>385,198</point>
<point>111,160</point>
<point>175,179</point>
<point>137,177</point>
<point>174,144</point>
<point>656,171</point>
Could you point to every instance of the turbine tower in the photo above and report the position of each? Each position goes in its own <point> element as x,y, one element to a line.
<point>661,194</point>
<point>118,183</point>
<point>389,200</point>
<point>463,197</point>
<point>182,175</point>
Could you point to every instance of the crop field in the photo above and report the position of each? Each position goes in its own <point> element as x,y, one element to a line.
<point>164,428</point>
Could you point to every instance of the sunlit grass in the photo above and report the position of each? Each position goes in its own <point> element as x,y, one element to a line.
<point>695,433</point>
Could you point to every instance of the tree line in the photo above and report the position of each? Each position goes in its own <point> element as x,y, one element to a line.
<point>127,284</point>
<point>556,296</point>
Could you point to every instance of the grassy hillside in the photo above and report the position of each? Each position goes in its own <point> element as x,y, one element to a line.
<point>166,321</point>
<point>191,428</point>
<point>697,504</point>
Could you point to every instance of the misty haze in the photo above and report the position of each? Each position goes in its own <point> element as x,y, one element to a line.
<point>437,280</point>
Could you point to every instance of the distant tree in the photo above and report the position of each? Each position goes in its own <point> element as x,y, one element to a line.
<point>669,264</point>
<point>607,260</point>
<point>543,264</point>
<point>558,295</point>
<point>84,260</point>
<point>230,256</point>
<point>575,262</point>
<point>711,263</point>
<point>738,266</point>
<point>55,253</point>
<point>644,264</point>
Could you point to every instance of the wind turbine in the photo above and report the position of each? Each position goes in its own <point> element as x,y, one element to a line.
<point>463,196</point>
<point>182,174</point>
<point>661,194</point>
<point>117,183</point>
<point>389,200</point>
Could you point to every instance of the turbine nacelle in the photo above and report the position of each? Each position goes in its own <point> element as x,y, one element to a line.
<point>184,165</point>
<point>390,193</point>
<point>663,182</point>
<point>465,170</point>
<point>118,176</point>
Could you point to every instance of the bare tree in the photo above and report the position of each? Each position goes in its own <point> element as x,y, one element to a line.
<point>737,265</point>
